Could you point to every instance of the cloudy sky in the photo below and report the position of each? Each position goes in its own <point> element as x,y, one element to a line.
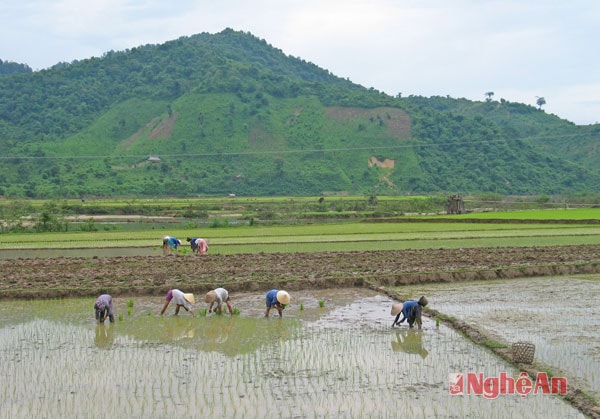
<point>518,49</point>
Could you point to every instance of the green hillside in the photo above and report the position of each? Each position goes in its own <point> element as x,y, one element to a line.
<point>228,113</point>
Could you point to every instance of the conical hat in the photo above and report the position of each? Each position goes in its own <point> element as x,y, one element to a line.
<point>190,298</point>
<point>210,297</point>
<point>283,297</point>
<point>396,308</point>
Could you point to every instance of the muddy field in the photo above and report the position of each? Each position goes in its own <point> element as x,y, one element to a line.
<point>153,275</point>
<point>383,271</point>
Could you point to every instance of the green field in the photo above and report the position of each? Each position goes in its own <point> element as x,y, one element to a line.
<point>289,224</point>
<point>342,236</point>
<point>540,214</point>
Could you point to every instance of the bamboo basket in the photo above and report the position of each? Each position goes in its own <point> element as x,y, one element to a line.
<point>523,352</point>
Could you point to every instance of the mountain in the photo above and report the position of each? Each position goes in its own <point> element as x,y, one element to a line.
<point>229,113</point>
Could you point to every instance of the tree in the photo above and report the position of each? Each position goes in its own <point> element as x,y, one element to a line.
<point>540,102</point>
<point>488,96</point>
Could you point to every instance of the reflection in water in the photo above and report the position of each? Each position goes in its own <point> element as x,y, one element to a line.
<point>410,341</point>
<point>229,335</point>
<point>218,331</point>
<point>177,328</point>
<point>104,338</point>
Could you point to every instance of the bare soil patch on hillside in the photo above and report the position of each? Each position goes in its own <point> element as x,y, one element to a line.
<point>396,120</point>
<point>165,128</point>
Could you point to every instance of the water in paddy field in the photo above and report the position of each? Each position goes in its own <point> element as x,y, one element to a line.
<point>560,315</point>
<point>340,360</point>
<point>81,252</point>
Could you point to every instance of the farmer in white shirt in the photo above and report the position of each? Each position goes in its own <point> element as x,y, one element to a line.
<point>218,296</point>
<point>179,298</point>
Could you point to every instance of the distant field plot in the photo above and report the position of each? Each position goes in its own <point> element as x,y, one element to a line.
<point>324,237</point>
<point>558,214</point>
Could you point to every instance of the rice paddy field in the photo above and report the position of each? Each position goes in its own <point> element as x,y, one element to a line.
<point>333,354</point>
<point>560,315</point>
<point>346,236</point>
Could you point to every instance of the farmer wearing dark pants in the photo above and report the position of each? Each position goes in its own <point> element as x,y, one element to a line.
<point>277,299</point>
<point>198,245</point>
<point>411,311</point>
<point>219,296</point>
<point>104,308</point>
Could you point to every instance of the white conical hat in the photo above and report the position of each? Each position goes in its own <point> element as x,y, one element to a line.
<point>210,297</point>
<point>283,297</point>
<point>190,298</point>
<point>396,308</point>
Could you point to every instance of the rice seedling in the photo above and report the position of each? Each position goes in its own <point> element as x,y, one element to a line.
<point>301,307</point>
<point>130,303</point>
<point>321,303</point>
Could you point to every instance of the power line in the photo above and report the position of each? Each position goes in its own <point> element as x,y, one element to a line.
<point>271,152</point>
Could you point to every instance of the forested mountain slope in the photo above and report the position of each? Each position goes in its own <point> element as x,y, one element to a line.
<point>228,113</point>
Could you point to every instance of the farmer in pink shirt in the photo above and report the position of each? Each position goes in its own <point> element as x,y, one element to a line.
<point>199,246</point>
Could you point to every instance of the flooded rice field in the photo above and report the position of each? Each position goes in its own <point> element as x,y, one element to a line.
<point>80,252</point>
<point>560,315</point>
<point>339,360</point>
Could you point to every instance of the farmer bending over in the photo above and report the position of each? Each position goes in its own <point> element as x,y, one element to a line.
<point>199,246</point>
<point>180,299</point>
<point>411,310</point>
<point>218,296</point>
<point>170,243</point>
<point>277,299</point>
<point>104,308</point>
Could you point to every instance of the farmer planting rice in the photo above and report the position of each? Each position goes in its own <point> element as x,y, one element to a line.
<point>218,296</point>
<point>277,299</point>
<point>180,299</point>
<point>410,310</point>
<point>170,243</point>
<point>104,308</point>
<point>198,245</point>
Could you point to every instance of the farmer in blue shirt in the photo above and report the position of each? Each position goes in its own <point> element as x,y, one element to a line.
<point>170,243</point>
<point>277,299</point>
<point>411,310</point>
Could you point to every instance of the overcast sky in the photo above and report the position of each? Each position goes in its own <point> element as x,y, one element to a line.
<point>518,49</point>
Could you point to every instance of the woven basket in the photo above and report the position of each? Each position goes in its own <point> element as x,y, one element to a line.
<point>523,352</point>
